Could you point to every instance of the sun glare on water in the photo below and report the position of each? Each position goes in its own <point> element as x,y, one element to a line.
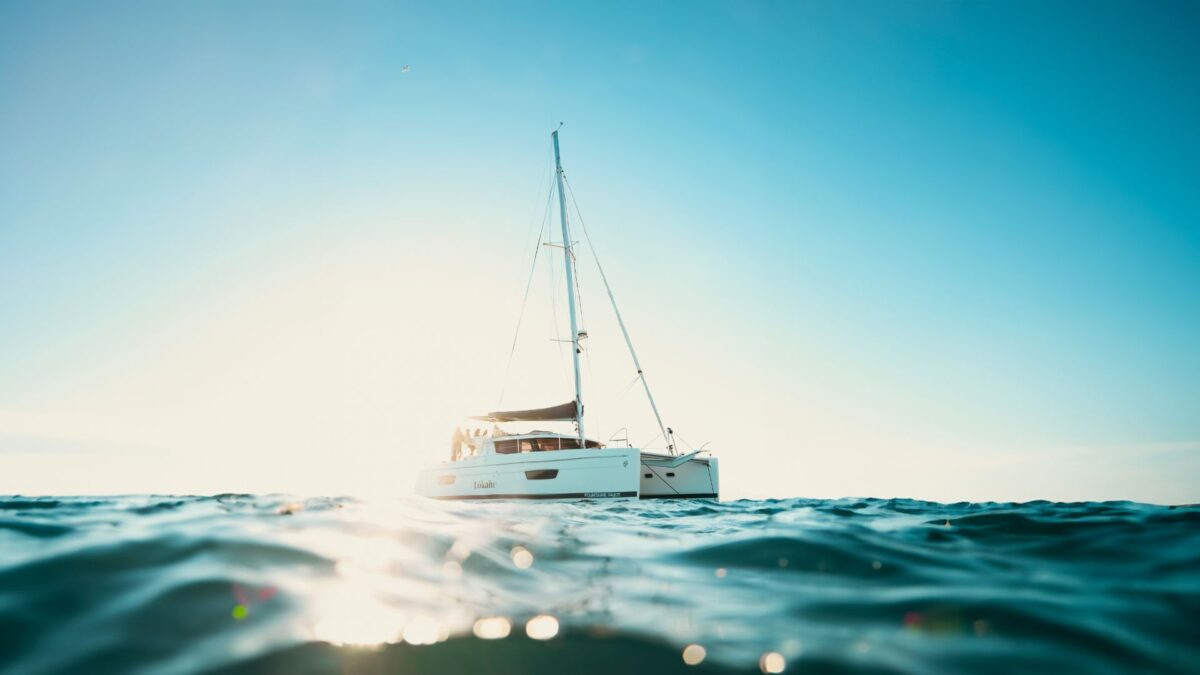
<point>356,619</point>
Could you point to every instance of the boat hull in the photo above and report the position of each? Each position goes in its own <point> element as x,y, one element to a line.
<point>693,476</point>
<point>606,473</point>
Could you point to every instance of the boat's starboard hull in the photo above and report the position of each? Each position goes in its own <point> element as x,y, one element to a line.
<point>693,476</point>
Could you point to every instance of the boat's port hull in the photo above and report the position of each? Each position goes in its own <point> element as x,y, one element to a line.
<point>607,473</point>
<point>589,474</point>
<point>693,476</point>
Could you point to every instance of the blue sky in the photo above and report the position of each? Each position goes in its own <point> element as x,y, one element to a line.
<point>945,250</point>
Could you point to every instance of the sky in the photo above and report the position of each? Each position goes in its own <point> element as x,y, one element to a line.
<point>939,250</point>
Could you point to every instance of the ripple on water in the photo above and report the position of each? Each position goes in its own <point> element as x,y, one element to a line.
<point>273,583</point>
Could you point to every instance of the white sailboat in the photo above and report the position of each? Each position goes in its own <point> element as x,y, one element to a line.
<point>499,464</point>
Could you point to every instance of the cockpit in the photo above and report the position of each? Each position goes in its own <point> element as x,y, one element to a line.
<point>475,442</point>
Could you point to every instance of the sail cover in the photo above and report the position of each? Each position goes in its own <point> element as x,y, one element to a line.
<point>566,411</point>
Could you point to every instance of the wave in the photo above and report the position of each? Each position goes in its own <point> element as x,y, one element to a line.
<point>240,583</point>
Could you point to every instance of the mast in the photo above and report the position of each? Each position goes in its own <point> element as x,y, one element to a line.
<point>568,258</point>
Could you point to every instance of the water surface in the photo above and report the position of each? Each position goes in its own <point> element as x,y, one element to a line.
<point>244,583</point>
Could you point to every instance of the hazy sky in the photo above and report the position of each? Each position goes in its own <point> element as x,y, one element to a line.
<point>926,249</point>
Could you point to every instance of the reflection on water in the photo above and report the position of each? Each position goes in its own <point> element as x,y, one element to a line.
<point>492,628</point>
<point>240,583</point>
<point>542,627</point>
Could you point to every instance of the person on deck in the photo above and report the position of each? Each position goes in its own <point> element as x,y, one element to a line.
<point>456,441</point>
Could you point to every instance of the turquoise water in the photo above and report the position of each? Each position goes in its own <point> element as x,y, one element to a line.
<point>242,583</point>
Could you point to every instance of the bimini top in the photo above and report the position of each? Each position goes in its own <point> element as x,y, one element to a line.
<point>563,412</point>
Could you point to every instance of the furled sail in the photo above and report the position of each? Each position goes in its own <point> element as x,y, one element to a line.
<point>563,412</point>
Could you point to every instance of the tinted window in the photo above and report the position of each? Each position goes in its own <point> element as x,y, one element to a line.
<point>545,444</point>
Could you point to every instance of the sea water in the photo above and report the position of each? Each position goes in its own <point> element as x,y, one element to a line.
<point>276,584</point>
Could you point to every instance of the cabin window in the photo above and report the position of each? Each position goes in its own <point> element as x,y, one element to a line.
<point>551,444</point>
<point>649,475</point>
<point>445,480</point>
<point>541,474</point>
<point>539,444</point>
<point>556,443</point>
<point>670,474</point>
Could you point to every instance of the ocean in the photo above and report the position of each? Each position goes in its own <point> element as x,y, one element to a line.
<point>277,584</point>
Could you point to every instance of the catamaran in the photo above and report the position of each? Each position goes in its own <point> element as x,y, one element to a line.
<point>498,463</point>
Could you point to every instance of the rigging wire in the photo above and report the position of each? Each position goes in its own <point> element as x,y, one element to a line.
<point>524,300</point>
<point>647,443</point>
<point>516,333</point>
<point>547,186</point>
<point>621,322</point>
<point>689,445</point>
<point>629,387</point>
<point>569,250</point>
<point>562,363</point>
<point>657,475</point>
<point>587,355</point>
